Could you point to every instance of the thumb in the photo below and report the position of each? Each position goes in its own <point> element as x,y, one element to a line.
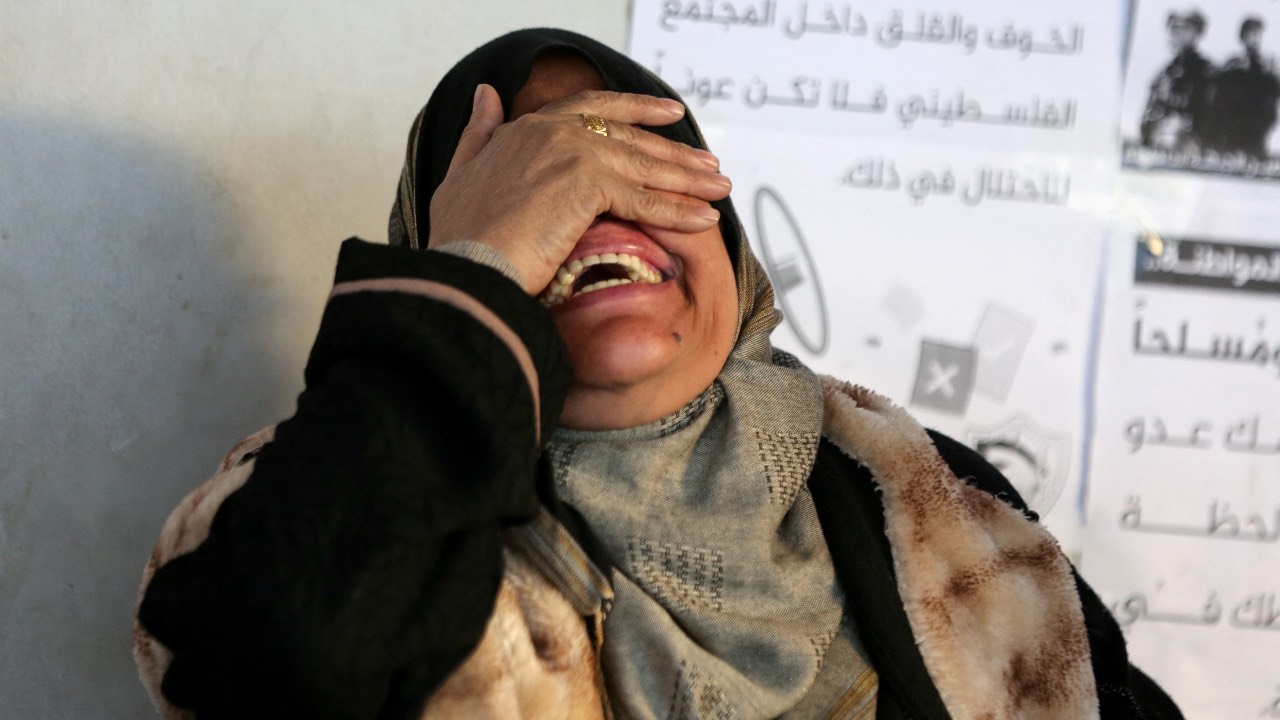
<point>486,116</point>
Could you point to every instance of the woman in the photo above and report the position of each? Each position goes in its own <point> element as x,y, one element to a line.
<point>688,524</point>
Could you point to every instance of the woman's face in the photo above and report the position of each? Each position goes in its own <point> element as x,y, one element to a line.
<point>643,350</point>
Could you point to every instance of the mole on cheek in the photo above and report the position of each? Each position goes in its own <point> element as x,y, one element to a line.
<point>677,337</point>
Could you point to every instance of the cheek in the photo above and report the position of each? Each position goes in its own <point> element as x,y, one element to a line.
<point>718,299</point>
<point>713,322</point>
<point>726,314</point>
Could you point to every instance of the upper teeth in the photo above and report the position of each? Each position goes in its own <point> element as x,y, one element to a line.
<point>561,288</point>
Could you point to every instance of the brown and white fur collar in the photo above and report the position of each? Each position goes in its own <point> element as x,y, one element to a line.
<point>989,595</point>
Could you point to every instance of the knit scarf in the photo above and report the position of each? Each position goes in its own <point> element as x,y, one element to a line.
<point>725,597</point>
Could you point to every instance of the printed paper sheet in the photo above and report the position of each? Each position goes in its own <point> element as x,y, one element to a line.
<point>928,189</point>
<point>1184,485</point>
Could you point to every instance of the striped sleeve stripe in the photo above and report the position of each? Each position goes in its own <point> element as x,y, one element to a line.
<point>464,302</point>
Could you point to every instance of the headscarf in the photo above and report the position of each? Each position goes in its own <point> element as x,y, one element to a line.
<point>505,63</point>
<point>725,598</point>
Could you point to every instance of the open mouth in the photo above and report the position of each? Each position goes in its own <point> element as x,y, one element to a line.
<point>597,272</point>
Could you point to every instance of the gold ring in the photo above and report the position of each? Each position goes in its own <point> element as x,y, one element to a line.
<point>595,124</point>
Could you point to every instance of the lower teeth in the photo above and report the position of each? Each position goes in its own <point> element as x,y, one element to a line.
<point>601,285</point>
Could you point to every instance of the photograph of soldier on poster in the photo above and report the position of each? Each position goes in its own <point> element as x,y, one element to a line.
<point>1201,91</point>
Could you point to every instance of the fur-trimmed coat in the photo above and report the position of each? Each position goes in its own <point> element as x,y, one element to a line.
<point>350,563</point>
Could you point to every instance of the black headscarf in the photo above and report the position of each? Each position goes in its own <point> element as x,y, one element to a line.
<point>505,64</point>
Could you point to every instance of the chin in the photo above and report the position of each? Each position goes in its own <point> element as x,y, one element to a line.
<point>624,380</point>
<point>614,358</point>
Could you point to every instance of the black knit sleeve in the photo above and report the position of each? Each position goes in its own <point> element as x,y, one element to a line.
<point>358,564</point>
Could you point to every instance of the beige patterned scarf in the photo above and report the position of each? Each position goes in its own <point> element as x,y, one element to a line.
<point>725,598</point>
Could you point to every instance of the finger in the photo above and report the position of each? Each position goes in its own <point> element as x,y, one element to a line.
<point>629,108</point>
<point>661,209</point>
<point>662,148</point>
<point>644,170</point>
<point>486,116</point>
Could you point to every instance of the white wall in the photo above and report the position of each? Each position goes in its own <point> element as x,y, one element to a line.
<point>175,178</point>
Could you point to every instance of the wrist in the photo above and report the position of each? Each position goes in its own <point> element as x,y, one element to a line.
<point>483,254</point>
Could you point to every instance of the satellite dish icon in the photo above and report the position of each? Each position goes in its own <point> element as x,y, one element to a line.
<point>790,266</point>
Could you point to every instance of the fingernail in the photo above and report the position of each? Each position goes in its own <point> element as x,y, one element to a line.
<point>475,102</point>
<point>723,181</point>
<point>706,158</point>
<point>709,213</point>
<point>672,106</point>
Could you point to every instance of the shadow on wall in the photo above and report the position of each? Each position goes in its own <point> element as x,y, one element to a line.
<point>135,349</point>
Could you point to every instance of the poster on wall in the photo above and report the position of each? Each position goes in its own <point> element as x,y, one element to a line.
<point>928,189</point>
<point>1183,541</point>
